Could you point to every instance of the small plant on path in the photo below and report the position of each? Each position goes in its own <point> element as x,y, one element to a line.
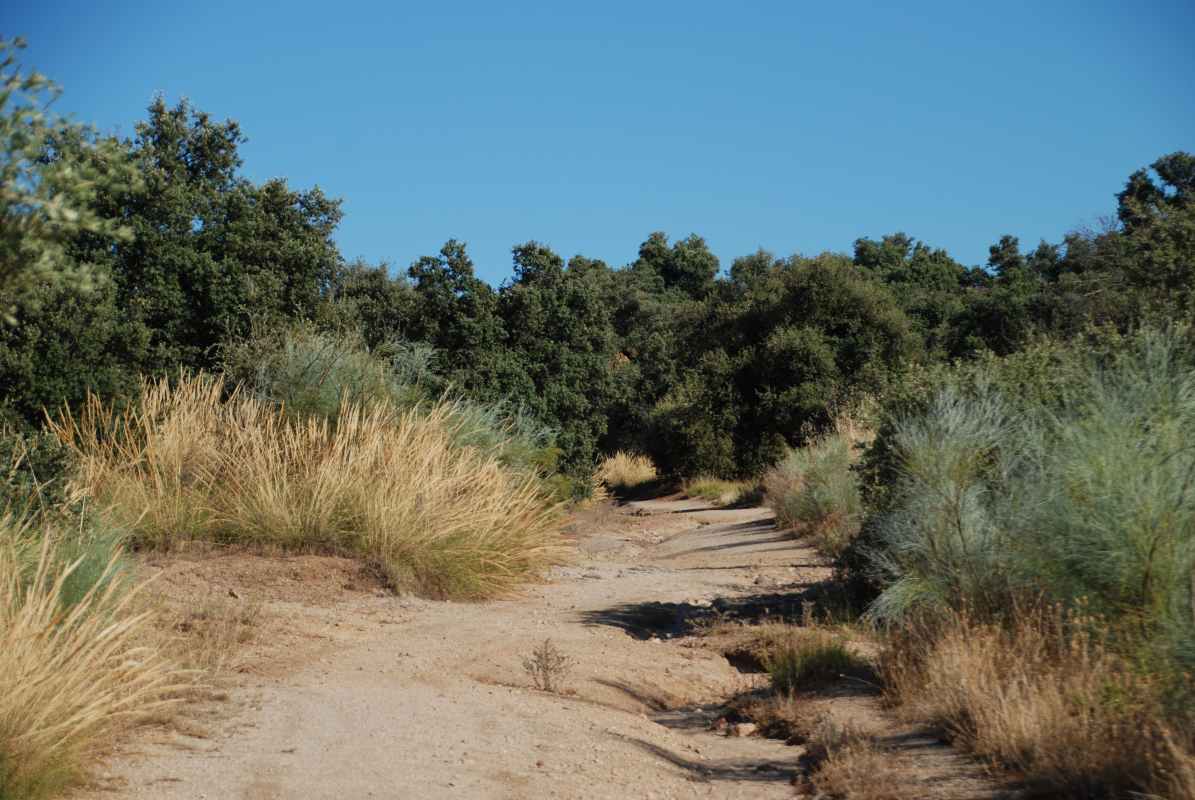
<point>548,667</point>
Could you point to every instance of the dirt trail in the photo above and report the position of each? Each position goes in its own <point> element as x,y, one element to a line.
<point>392,697</point>
<point>409,698</point>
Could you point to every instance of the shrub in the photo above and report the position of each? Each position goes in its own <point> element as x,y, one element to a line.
<point>309,372</point>
<point>68,676</point>
<point>626,470</point>
<point>1092,501</point>
<point>393,486</point>
<point>33,472</point>
<point>814,488</point>
<point>548,667</point>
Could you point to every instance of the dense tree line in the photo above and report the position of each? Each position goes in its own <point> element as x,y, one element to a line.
<point>708,371</point>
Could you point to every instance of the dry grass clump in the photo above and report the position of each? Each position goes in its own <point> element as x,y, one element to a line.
<point>861,770</point>
<point>69,674</point>
<point>211,631</point>
<point>814,489</point>
<point>1045,696</point>
<point>812,656</point>
<point>626,470</point>
<point>391,485</point>
<point>718,491</point>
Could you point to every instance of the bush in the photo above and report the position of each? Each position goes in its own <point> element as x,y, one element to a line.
<point>308,372</point>
<point>68,676</point>
<point>815,488</point>
<point>33,472</point>
<point>393,486</point>
<point>1092,501</point>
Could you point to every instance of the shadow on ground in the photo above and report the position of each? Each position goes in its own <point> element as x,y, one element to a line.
<point>656,620</point>
<point>721,769</point>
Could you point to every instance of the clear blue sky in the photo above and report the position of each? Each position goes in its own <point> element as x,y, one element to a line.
<point>795,126</point>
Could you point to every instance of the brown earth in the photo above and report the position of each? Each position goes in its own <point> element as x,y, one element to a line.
<point>347,691</point>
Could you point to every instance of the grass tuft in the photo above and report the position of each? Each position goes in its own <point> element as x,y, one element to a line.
<point>810,657</point>
<point>391,485</point>
<point>1045,696</point>
<point>69,674</point>
<point>623,471</point>
<point>720,492</point>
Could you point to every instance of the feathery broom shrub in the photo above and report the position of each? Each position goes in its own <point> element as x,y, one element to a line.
<point>814,488</point>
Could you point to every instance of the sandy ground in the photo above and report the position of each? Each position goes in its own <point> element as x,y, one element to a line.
<point>368,695</point>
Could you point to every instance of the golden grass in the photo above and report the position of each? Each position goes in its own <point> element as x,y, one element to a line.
<point>70,675</point>
<point>391,486</point>
<point>1045,697</point>
<point>625,470</point>
<point>860,770</point>
<point>718,491</point>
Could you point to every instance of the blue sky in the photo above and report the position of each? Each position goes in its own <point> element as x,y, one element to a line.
<point>793,126</point>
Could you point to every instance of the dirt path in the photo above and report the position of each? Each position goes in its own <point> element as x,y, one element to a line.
<point>426,700</point>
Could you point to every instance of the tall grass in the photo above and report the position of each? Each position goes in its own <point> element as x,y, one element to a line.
<point>814,490</point>
<point>719,491</point>
<point>626,470</point>
<point>1047,695</point>
<point>69,674</point>
<point>394,486</point>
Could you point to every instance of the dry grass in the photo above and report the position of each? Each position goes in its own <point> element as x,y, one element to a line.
<point>392,486</point>
<point>718,491</point>
<point>1045,697</point>
<point>209,633</point>
<point>860,770</point>
<point>812,656</point>
<point>69,676</point>
<point>625,471</point>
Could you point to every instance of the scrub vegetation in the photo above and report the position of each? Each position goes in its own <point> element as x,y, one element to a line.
<point>185,355</point>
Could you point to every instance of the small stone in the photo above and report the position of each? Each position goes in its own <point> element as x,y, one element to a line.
<point>743,729</point>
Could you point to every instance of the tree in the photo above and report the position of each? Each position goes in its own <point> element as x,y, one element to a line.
<point>559,329</point>
<point>47,202</point>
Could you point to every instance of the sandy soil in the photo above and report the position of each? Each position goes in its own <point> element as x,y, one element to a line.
<point>353,693</point>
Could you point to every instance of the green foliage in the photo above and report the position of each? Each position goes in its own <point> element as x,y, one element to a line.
<point>1083,497</point>
<point>34,468</point>
<point>559,335</point>
<point>309,372</point>
<point>47,202</point>
<point>778,353</point>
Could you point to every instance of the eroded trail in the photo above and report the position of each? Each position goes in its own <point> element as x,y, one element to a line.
<point>404,698</point>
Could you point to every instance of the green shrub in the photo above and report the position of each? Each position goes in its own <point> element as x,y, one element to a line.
<point>33,472</point>
<point>816,488</point>
<point>1088,498</point>
<point>310,372</point>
